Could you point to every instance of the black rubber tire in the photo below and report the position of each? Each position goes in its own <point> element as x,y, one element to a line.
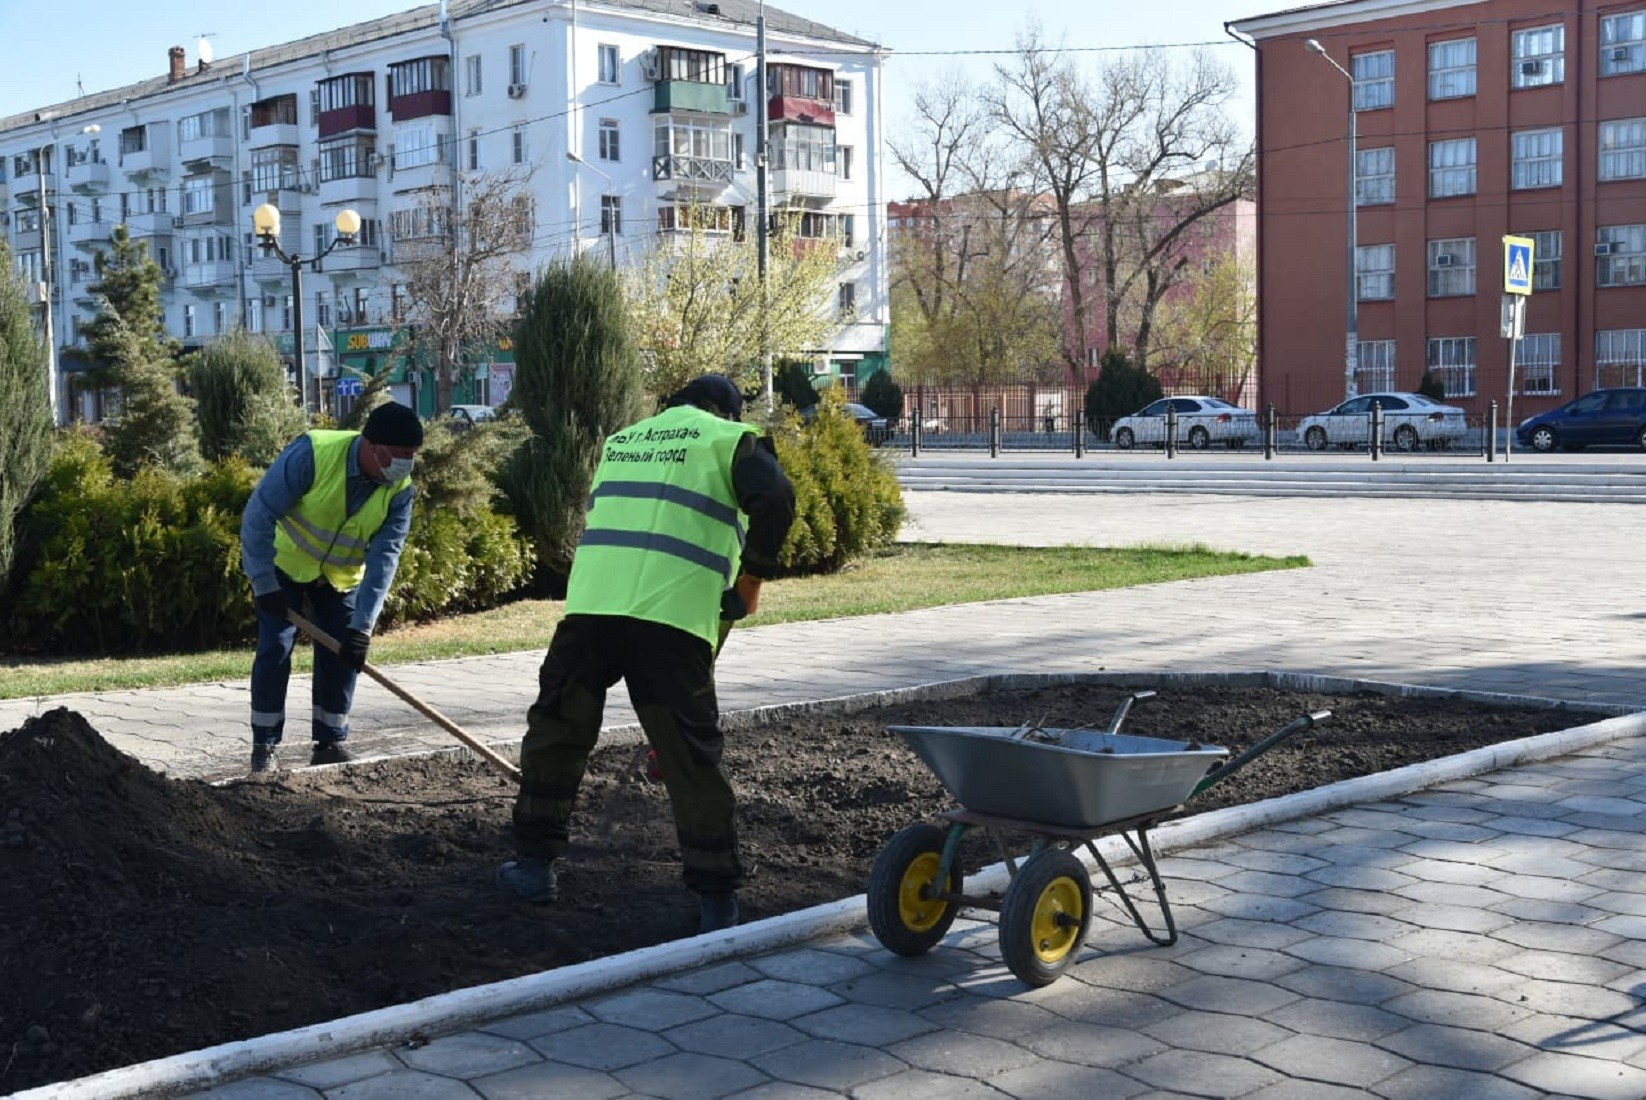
<point>1640,437</point>
<point>1315,438</point>
<point>901,920</point>
<point>1543,439</point>
<point>1199,438</point>
<point>1406,438</point>
<point>1041,930</point>
<point>1124,439</point>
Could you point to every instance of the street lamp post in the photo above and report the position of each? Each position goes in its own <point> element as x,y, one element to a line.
<point>1351,342</point>
<point>266,223</point>
<point>610,230</point>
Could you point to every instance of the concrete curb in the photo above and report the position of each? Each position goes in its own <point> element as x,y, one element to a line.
<point>468,1007</point>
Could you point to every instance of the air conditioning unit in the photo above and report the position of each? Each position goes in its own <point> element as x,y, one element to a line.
<point>739,106</point>
<point>1445,259</point>
<point>1620,55</point>
<point>384,255</point>
<point>650,67</point>
<point>1605,248</point>
<point>516,91</point>
<point>1531,68</point>
<point>270,301</point>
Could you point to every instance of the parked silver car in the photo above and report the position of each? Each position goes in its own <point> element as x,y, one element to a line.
<point>1410,421</point>
<point>1201,421</point>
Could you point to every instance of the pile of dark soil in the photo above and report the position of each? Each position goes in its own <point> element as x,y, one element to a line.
<point>144,916</point>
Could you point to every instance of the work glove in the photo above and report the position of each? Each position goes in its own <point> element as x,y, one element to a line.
<point>272,604</point>
<point>355,645</point>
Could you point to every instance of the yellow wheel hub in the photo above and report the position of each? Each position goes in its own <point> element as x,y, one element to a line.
<point>1058,915</point>
<point>920,914</point>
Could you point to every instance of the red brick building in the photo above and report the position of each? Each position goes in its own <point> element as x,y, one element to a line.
<point>1474,120</point>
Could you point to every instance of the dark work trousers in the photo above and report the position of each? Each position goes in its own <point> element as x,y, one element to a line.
<point>331,611</point>
<point>670,677</point>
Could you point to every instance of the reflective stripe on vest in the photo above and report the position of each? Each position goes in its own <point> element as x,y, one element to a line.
<point>664,536</point>
<point>318,538</point>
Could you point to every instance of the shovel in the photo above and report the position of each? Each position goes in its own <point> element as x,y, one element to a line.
<point>480,748</point>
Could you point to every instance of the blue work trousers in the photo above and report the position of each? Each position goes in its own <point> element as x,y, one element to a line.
<point>331,611</point>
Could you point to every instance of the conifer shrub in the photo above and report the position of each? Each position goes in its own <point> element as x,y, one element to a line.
<point>1121,389</point>
<point>25,410</point>
<point>883,395</point>
<point>847,499</point>
<point>244,403</point>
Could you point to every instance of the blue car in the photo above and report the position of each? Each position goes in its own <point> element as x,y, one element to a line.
<point>1604,418</point>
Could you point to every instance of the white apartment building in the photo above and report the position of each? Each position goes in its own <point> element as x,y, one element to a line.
<point>622,109</point>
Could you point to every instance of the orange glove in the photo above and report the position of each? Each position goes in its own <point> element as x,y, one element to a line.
<point>748,590</point>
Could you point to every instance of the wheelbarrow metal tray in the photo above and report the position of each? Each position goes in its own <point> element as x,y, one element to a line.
<point>1086,781</point>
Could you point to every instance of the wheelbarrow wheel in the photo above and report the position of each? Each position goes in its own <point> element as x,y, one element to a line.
<point>908,911</point>
<point>1045,915</point>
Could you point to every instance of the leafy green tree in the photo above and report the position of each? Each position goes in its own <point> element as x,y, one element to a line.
<point>25,409</point>
<point>246,406</point>
<point>1121,388</point>
<point>883,395</point>
<point>792,384</point>
<point>577,380</point>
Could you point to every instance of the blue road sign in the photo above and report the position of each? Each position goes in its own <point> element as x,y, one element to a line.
<point>348,387</point>
<point>1517,265</point>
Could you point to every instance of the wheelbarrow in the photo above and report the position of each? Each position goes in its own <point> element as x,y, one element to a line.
<point>1061,788</point>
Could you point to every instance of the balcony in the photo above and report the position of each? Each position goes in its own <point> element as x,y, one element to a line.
<point>87,177</point>
<point>206,150</point>
<point>803,183</point>
<point>349,259</point>
<point>703,175</point>
<point>90,235</point>
<point>275,133</point>
<point>347,190</point>
<point>153,158</point>
<point>438,174</point>
<point>217,277</point>
<point>156,223</point>
<point>25,186</point>
<point>690,95</point>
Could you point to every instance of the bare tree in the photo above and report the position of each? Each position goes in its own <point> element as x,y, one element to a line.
<point>1124,161</point>
<point>460,268</point>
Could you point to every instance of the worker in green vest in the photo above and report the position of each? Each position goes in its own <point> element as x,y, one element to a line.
<point>687,514</point>
<point>322,533</point>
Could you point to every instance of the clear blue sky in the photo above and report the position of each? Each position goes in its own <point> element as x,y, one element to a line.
<point>46,48</point>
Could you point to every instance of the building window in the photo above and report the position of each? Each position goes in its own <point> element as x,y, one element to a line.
<point>1375,365</point>
<point>350,90</point>
<point>220,317</point>
<point>517,65</point>
<point>426,74</point>
<point>1374,75</point>
<point>1546,260</point>
<point>1620,255</point>
<point>802,148</point>
<point>1620,357</point>
<point>734,83</point>
<point>474,151</point>
<point>1538,57</point>
<point>680,63</point>
<point>1451,267</point>
<point>608,64</point>
<point>1623,43</point>
<point>472,75</point>
<point>518,140</point>
<point>611,215</point>
<point>205,125</point>
<point>274,167</point>
<point>1452,69</point>
<point>254,314</point>
<point>1623,149</point>
<point>1537,363</point>
<point>1375,176</point>
<point>322,237</point>
<point>188,320</point>
<point>417,144</point>
<point>348,158</point>
<point>843,97</point>
<point>847,303</point>
<point>608,139</point>
<point>1375,272</point>
<point>845,154</point>
<point>1451,168</point>
<point>1452,360</point>
<point>199,196</point>
<point>1537,159</point>
<point>706,218</point>
<point>739,160</point>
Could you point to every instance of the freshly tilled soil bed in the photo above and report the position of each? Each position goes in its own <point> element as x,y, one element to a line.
<point>143,916</point>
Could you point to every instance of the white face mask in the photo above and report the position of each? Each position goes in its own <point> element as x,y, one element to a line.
<point>396,469</point>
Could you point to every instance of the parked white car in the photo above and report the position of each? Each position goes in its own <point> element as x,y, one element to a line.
<point>1201,421</point>
<point>1410,421</point>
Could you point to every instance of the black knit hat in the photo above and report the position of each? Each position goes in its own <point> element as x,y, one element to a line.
<point>712,391</point>
<point>394,425</point>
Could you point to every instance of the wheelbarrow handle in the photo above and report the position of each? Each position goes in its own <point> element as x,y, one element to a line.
<point>1229,767</point>
<point>481,749</point>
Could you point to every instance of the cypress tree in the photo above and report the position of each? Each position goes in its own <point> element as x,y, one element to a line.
<point>25,409</point>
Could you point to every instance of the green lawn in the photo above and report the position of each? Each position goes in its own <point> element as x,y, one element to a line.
<point>907,577</point>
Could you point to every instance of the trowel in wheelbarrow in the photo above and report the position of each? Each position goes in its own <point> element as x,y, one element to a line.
<point>480,748</point>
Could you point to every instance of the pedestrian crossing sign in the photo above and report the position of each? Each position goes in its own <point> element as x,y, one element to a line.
<point>1517,265</point>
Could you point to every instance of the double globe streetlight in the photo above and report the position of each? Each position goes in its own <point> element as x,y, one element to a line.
<point>265,222</point>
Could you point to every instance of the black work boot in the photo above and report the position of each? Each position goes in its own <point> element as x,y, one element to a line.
<point>529,879</point>
<point>330,752</point>
<point>717,911</point>
<point>265,757</point>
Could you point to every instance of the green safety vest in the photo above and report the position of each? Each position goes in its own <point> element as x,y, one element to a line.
<point>318,537</point>
<point>664,535</point>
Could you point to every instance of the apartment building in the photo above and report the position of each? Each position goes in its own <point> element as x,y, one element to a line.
<point>1473,120</point>
<point>623,111</point>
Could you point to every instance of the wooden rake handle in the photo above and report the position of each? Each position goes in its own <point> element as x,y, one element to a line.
<point>480,748</point>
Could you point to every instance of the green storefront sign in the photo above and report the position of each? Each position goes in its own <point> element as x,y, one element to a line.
<point>485,378</point>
